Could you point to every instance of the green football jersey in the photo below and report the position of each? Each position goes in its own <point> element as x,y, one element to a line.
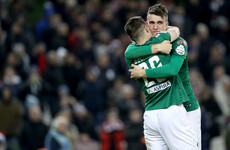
<point>177,65</point>
<point>178,44</point>
<point>160,92</point>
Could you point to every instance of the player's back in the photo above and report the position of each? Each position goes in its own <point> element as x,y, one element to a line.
<point>160,92</point>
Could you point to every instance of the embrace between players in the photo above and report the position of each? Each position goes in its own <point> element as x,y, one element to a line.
<point>172,118</point>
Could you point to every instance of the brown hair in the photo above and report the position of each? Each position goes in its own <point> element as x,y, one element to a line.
<point>159,10</point>
<point>134,27</point>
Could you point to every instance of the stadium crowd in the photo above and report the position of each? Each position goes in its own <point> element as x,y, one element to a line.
<point>62,68</point>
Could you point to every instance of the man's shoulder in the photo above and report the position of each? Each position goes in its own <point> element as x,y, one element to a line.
<point>130,46</point>
<point>163,35</point>
<point>129,49</point>
<point>180,41</point>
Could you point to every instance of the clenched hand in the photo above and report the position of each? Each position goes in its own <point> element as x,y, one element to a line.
<point>164,47</point>
<point>137,72</point>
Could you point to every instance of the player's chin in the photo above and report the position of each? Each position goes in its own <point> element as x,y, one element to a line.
<point>154,33</point>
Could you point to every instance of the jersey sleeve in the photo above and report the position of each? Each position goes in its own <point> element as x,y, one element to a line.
<point>180,47</point>
<point>135,51</point>
<point>176,61</point>
<point>128,62</point>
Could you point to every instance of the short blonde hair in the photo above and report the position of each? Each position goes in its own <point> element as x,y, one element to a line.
<point>59,120</point>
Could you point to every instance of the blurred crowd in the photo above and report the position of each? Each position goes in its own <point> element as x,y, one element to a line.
<point>64,82</point>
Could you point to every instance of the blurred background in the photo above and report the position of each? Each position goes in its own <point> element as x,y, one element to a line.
<point>62,70</point>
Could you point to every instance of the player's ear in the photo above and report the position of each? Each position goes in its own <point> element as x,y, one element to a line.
<point>167,25</point>
<point>146,28</point>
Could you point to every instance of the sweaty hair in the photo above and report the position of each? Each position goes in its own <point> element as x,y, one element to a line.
<point>134,27</point>
<point>159,10</point>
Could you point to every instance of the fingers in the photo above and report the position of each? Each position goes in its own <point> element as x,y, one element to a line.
<point>131,75</point>
<point>170,46</point>
<point>133,65</point>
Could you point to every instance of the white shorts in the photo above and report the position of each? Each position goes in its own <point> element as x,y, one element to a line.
<point>169,129</point>
<point>195,121</point>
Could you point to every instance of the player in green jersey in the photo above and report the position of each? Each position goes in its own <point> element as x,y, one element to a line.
<point>178,65</point>
<point>166,124</point>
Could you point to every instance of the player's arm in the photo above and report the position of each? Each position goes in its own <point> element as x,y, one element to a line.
<point>127,60</point>
<point>165,47</point>
<point>135,51</point>
<point>174,32</point>
<point>176,61</point>
<point>167,70</point>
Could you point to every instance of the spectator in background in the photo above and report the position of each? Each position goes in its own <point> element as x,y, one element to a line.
<point>180,19</point>
<point>105,69</point>
<point>216,58</point>
<point>222,89</point>
<point>221,26</point>
<point>27,33</point>
<point>115,93</point>
<point>198,82</point>
<point>76,41</point>
<point>38,57</point>
<point>206,42</point>
<point>3,145</point>
<point>18,35</point>
<point>112,132</point>
<point>133,130</point>
<point>127,101</point>
<point>86,53</point>
<point>73,73</point>
<point>33,85</point>
<point>84,121</point>
<point>56,138</point>
<point>209,103</point>
<point>108,16</point>
<point>211,115</point>
<point>20,52</point>
<point>72,132</point>
<point>193,51</point>
<point>65,101</point>
<point>13,60</point>
<point>44,23</point>
<point>61,37</point>
<point>49,33</point>
<point>53,78</point>
<point>34,131</point>
<point>94,91</point>
<point>11,113</point>
<point>85,142</point>
<point>101,47</point>
<point>3,52</point>
<point>11,79</point>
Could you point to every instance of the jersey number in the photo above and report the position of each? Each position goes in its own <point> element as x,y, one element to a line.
<point>145,66</point>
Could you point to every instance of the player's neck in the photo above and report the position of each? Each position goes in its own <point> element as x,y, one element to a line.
<point>143,40</point>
